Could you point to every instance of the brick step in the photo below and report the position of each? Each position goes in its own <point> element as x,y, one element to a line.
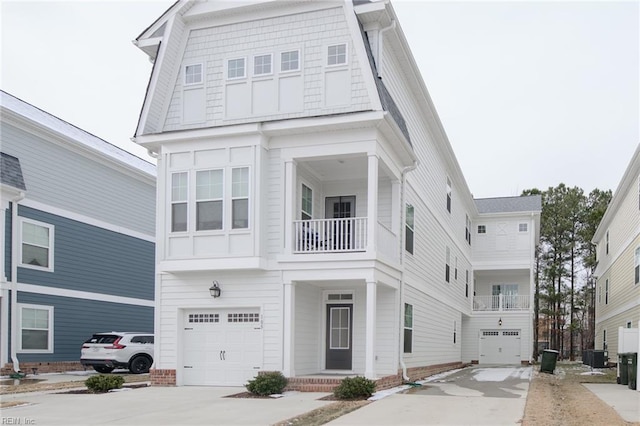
<point>313,384</point>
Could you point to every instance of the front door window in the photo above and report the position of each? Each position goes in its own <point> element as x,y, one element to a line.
<point>339,338</point>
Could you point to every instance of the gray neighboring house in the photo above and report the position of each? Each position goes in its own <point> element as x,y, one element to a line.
<point>77,229</point>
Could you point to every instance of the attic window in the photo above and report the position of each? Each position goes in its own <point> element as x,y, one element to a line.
<point>235,68</point>
<point>290,61</point>
<point>262,65</point>
<point>193,74</point>
<point>337,55</point>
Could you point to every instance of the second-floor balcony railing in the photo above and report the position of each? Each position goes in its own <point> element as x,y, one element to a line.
<point>330,235</point>
<point>502,302</point>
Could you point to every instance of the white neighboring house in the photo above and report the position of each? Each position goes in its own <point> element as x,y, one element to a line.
<point>312,217</point>
<point>618,252</point>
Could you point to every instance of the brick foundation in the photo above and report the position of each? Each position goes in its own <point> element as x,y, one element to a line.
<point>162,377</point>
<point>43,367</point>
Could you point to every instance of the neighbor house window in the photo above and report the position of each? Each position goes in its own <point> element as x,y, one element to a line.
<point>262,64</point>
<point>604,339</point>
<point>449,194</point>
<point>307,203</point>
<point>235,68</point>
<point>600,294</point>
<point>447,268</point>
<point>290,61</point>
<point>36,248</point>
<point>606,291</point>
<point>606,247</point>
<point>209,199</point>
<point>455,269</point>
<point>636,267</point>
<point>482,229</point>
<point>36,328</point>
<point>628,324</point>
<point>408,328</point>
<point>193,74</point>
<point>179,191</point>
<point>240,198</point>
<point>337,55</point>
<point>408,244</point>
<point>523,227</point>
<point>467,229</point>
<point>466,283</point>
<point>455,326</point>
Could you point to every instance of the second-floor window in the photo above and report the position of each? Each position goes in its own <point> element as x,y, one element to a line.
<point>449,194</point>
<point>636,267</point>
<point>179,191</point>
<point>466,283</point>
<point>240,198</point>
<point>209,202</point>
<point>306,211</point>
<point>467,229</point>
<point>408,243</point>
<point>447,267</point>
<point>36,246</point>
<point>606,291</point>
<point>606,246</point>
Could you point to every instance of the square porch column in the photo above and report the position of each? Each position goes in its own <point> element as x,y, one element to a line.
<point>289,204</point>
<point>372,201</point>
<point>370,331</point>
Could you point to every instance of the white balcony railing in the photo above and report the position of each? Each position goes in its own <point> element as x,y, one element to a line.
<point>502,302</point>
<point>330,235</point>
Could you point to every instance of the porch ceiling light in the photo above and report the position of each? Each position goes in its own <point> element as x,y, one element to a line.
<point>215,290</point>
<point>499,321</point>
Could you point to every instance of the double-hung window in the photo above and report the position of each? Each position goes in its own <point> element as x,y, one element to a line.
<point>636,266</point>
<point>408,243</point>
<point>449,194</point>
<point>408,328</point>
<point>179,197</point>
<point>209,199</point>
<point>467,229</point>
<point>36,248</point>
<point>306,212</point>
<point>36,328</point>
<point>447,268</point>
<point>240,198</point>
<point>606,291</point>
<point>466,284</point>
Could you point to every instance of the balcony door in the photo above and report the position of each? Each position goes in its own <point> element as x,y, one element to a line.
<point>509,295</point>
<point>340,230</point>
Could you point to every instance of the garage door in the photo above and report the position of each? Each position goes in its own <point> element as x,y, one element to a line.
<point>221,347</point>
<point>499,347</point>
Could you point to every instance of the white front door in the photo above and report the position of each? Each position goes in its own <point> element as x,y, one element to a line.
<point>499,347</point>
<point>221,347</point>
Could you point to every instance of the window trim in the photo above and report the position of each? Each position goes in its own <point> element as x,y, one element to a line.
<point>197,83</point>
<point>50,329</point>
<point>253,69</point>
<point>50,248</point>
<point>244,68</point>
<point>346,55</point>
<point>290,70</point>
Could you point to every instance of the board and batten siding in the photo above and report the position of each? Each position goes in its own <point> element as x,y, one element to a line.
<point>249,289</point>
<point>92,259</point>
<point>89,186</point>
<point>75,320</point>
<point>244,100</point>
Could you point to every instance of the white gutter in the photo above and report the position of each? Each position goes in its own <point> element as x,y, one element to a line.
<point>14,281</point>
<point>380,33</point>
<point>403,183</point>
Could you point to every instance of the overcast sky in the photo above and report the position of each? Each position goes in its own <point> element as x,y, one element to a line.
<point>530,93</point>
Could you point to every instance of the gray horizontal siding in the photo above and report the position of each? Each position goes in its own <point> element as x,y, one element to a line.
<point>75,320</point>
<point>89,258</point>
<point>60,177</point>
<point>7,242</point>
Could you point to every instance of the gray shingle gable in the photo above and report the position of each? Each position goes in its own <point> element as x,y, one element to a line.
<point>530,203</point>
<point>11,172</point>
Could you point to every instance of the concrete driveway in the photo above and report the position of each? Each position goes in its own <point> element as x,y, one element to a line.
<point>471,396</point>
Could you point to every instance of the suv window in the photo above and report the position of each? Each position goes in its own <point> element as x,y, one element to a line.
<point>142,339</point>
<point>102,338</point>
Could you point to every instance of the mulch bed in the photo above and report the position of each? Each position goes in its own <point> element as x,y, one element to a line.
<point>85,391</point>
<point>249,395</point>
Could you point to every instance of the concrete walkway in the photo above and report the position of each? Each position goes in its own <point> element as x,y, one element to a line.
<point>625,401</point>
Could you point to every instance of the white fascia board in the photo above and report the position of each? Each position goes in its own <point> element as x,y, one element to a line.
<point>157,139</point>
<point>220,264</point>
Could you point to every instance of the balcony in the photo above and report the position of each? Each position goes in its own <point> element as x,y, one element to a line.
<point>502,302</point>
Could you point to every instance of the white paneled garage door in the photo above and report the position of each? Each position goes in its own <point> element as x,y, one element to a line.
<point>499,346</point>
<point>221,347</point>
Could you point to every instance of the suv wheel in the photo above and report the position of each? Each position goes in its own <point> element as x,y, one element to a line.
<point>103,369</point>
<point>139,364</point>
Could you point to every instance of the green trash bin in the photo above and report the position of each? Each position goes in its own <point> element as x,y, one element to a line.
<point>633,370</point>
<point>623,369</point>
<point>548,362</point>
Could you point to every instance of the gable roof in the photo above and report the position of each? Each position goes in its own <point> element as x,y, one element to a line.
<point>11,172</point>
<point>529,203</point>
<point>20,108</point>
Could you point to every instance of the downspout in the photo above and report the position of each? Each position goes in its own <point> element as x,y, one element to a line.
<point>403,182</point>
<point>14,281</point>
<point>379,56</point>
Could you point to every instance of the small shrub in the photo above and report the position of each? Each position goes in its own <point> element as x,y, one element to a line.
<point>267,383</point>
<point>103,383</point>
<point>354,388</point>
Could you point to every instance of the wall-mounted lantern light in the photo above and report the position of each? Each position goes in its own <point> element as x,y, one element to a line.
<point>215,290</point>
<point>499,321</point>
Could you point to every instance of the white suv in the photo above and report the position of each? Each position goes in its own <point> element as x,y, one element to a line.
<point>107,351</point>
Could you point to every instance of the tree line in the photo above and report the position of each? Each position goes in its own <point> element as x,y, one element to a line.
<point>565,296</point>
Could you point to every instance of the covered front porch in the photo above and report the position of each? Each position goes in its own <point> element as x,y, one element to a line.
<point>340,327</point>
